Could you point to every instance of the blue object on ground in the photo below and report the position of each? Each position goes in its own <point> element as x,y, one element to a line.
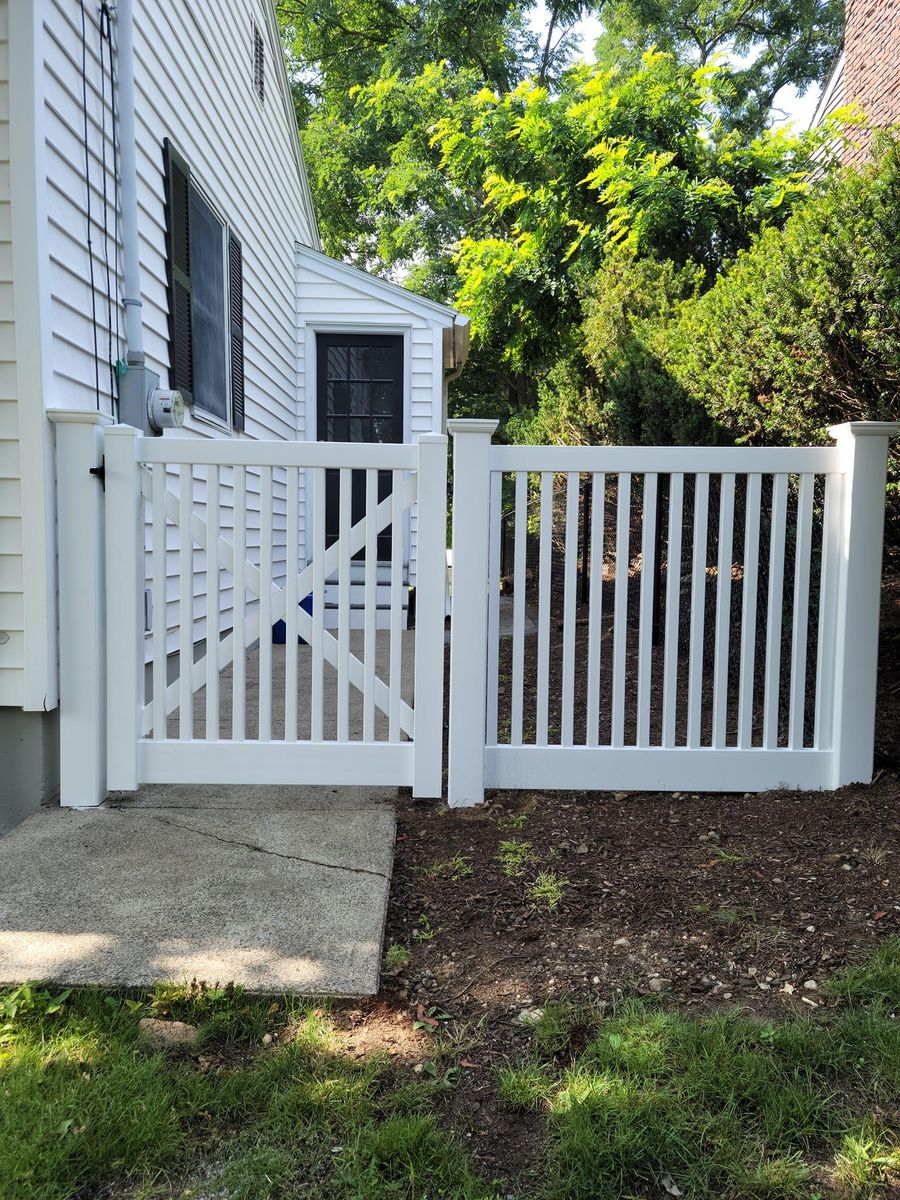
<point>279,629</point>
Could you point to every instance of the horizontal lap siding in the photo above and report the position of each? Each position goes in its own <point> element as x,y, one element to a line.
<point>322,300</point>
<point>12,616</point>
<point>194,84</point>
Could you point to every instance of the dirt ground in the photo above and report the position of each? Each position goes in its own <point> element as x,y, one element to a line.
<point>711,901</point>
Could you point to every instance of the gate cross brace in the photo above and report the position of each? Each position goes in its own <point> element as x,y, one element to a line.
<point>253,578</point>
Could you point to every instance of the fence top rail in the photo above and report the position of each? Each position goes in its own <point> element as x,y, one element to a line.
<point>713,460</point>
<point>226,453</point>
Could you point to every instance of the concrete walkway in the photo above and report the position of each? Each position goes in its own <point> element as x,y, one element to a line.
<point>280,889</point>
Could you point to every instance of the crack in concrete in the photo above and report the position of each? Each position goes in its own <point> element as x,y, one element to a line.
<point>313,862</point>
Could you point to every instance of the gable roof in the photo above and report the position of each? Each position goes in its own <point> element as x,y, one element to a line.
<point>374,285</point>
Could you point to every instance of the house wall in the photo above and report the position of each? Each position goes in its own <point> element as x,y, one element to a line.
<point>871,67</point>
<point>194,84</point>
<point>12,614</point>
<point>328,301</point>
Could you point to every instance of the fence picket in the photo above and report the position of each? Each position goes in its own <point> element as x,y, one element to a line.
<point>595,606</point>
<point>213,603</point>
<point>265,605</point>
<point>185,604</point>
<point>673,608</point>
<point>520,547</point>
<point>239,601</point>
<point>493,634</point>
<point>370,591</point>
<point>829,574</point>
<point>543,648</point>
<point>748,612</point>
<point>570,582</point>
<point>723,611</point>
<point>800,618</point>
<point>317,665</point>
<point>698,610</point>
<point>396,613</point>
<point>291,602</point>
<point>773,615</point>
<point>645,626</point>
<point>345,494</point>
<point>158,593</point>
<point>620,611</point>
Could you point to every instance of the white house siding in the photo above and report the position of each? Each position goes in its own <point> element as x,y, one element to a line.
<point>194,84</point>
<point>12,623</point>
<point>329,299</point>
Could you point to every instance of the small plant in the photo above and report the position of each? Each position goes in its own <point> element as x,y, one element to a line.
<point>457,867</point>
<point>513,856</point>
<point>730,916</point>
<point>727,858</point>
<point>397,957</point>
<point>430,1018</point>
<point>25,1003</point>
<point>426,931</point>
<point>548,889</point>
<point>865,1162</point>
<point>511,821</point>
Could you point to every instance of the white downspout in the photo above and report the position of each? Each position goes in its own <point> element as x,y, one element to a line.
<point>134,326</point>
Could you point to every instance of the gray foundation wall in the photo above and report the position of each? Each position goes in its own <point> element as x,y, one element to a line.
<point>29,763</point>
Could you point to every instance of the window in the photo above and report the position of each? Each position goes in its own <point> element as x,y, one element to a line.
<point>259,64</point>
<point>206,300</point>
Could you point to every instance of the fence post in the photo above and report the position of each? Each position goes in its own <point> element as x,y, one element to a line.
<point>863,446</point>
<point>124,607</point>
<point>468,628</point>
<point>431,574</point>
<point>82,605</point>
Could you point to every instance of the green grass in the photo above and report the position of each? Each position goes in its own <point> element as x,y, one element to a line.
<point>84,1105</point>
<point>629,1101</point>
<point>642,1099</point>
<point>878,978</point>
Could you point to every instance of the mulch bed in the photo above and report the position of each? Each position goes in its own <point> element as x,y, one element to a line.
<point>711,901</point>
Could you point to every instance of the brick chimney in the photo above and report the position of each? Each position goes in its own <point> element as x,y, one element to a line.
<point>871,66</point>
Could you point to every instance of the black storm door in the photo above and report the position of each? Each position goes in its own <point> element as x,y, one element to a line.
<point>359,389</point>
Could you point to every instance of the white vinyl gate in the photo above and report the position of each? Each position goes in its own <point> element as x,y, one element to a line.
<point>222,534</point>
<point>622,617</point>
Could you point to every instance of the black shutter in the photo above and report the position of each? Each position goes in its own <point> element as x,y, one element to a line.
<point>178,233</point>
<point>236,314</point>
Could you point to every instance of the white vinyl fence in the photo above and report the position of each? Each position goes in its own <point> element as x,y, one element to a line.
<point>622,617</point>
<point>729,635</point>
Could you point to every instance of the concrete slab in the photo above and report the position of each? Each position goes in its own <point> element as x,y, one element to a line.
<point>278,889</point>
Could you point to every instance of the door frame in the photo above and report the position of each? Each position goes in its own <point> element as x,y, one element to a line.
<point>311,394</point>
<point>311,367</point>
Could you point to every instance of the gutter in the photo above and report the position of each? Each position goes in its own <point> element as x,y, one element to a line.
<point>457,338</point>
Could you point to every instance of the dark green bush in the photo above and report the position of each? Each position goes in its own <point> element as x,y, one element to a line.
<point>800,332</point>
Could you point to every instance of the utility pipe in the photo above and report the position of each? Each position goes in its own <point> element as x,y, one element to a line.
<point>134,326</point>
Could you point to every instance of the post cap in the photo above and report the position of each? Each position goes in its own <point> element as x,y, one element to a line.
<point>483,425</point>
<point>865,429</point>
<point>79,416</point>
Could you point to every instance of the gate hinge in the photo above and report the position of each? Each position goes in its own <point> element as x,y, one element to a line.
<point>100,473</point>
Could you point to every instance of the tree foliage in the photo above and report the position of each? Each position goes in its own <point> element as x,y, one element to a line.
<point>801,332</point>
<point>455,150</point>
<point>507,202</point>
<point>766,44</point>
